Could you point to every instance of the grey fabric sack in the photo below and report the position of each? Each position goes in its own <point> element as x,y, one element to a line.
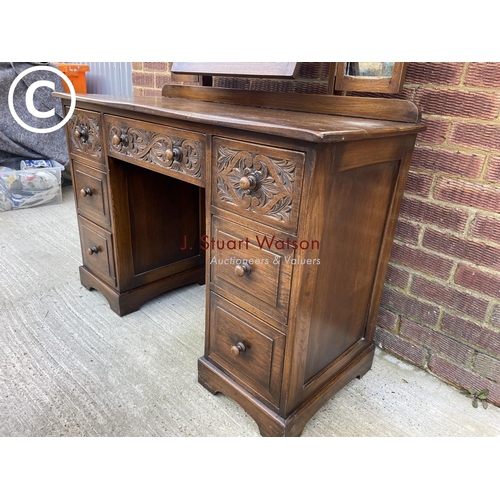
<point>15,141</point>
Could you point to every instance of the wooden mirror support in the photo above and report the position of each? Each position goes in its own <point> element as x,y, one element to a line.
<point>339,80</point>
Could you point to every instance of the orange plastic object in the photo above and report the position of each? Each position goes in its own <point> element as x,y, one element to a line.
<point>76,73</point>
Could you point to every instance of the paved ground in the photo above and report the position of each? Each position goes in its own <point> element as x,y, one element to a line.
<point>69,366</point>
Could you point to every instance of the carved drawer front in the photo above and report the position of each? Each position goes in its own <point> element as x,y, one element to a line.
<point>259,182</point>
<point>97,250</point>
<point>246,348</point>
<point>91,193</point>
<point>252,269</point>
<point>85,135</point>
<point>176,152</point>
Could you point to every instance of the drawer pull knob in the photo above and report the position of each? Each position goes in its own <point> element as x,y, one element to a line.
<point>242,269</point>
<point>237,349</point>
<point>120,139</point>
<point>173,154</point>
<point>82,133</point>
<point>177,154</point>
<point>248,182</point>
<point>86,192</point>
<point>92,250</point>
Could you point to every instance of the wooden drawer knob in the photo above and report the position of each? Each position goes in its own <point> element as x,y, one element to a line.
<point>173,154</point>
<point>242,269</point>
<point>238,349</point>
<point>86,192</point>
<point>177,154</point>
<point>248,182</point>
<point>92,250</point>
<point>120,139</point>
<point>81,133</point>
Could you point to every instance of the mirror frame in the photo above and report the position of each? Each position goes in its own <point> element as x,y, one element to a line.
<point>376,84</point>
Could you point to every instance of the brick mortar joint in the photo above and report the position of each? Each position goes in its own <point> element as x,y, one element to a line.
<point>450,281</point>
<point>489,312</point>
<point>439,322</point>
<point>484,170</point>
<point>468,225</point>
<point>465,71</point>
<point>473,361</point>
<point>411,279</point>
<point>431,191</point>
<point>420,240</point>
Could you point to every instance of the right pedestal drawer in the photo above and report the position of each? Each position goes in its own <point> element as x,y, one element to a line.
<point>247,349</point>
<point>252,268</point>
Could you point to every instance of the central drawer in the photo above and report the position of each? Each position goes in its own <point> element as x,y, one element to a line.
<point>252,268</point>
<point>175,152</point>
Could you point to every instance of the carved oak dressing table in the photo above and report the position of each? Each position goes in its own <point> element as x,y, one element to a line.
<point>284,204</point>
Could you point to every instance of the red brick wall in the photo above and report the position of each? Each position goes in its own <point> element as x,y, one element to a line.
<point>441,302</point>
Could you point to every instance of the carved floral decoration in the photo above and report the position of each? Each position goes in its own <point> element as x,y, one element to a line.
<point>272,179</point>
<point>174,153</point>
<point>85,135</point>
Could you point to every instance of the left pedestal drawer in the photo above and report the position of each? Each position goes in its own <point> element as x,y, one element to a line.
<point>97,250</point>
<point>91,190</point>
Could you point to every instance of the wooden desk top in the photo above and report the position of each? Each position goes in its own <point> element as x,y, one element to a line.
<point>307,126</point>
